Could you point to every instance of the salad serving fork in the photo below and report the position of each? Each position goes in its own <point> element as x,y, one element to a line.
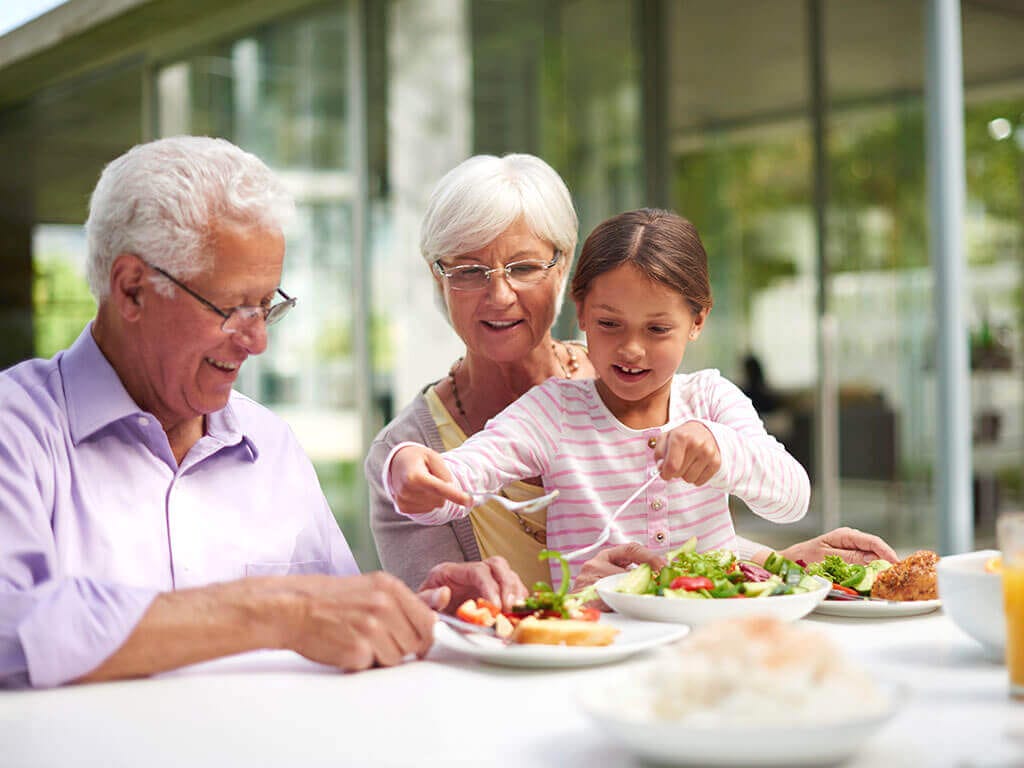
<point>654,473</point>
<point>529,506</point>
<point>607,530</point>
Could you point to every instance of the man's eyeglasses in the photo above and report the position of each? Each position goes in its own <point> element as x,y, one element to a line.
<point>474,277</point>
<point>236,318</point>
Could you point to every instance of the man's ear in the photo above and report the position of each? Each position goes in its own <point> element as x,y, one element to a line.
<point>128,285</point>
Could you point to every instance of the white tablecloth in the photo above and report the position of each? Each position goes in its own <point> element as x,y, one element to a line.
<point>276,709</point>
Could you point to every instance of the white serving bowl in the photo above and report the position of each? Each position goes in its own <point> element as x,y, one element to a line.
<point>698,612</point>
<point>729,743</point>
<point>973,599</point>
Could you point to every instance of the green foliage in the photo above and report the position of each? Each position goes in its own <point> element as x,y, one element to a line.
<point>61,301</point>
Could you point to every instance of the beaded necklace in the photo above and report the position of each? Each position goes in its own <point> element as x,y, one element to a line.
<point>568,370</point>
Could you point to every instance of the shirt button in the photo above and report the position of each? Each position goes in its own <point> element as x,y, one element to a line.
<point>651,442</point>
<point>657,504</point>
<point>660,536</point>
<point>143,421</point>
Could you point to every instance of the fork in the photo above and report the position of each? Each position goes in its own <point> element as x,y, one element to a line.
<point>527,507</point>
<point>607,531</point>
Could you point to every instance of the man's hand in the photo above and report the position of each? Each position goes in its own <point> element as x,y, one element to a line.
<point>354,622</point>
<point>492,579</point>
<point>614,560</point>
<point>689,452</point>
<point>850,544</point>
<point>420,481</point>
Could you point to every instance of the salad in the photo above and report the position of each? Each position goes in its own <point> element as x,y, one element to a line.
<point>851,578</point>
<point>544,602</point>
<point>717,574</point>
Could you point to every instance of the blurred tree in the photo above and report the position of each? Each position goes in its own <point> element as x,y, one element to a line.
<point>61,302</point>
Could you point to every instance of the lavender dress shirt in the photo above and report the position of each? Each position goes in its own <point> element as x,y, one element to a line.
<point>97,517</point>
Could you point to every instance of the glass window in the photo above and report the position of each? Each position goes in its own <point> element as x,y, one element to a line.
<point>61,302</point>
<point>283,92</point>
<point>741,151</point>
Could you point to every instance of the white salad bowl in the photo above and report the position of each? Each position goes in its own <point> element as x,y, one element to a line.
<point>973,599</point>
<point>696,612</point>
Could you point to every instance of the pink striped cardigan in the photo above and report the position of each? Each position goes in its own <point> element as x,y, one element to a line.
<point>562,431</point>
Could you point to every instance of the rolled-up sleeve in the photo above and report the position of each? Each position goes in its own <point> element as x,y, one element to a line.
<point>59,630</point>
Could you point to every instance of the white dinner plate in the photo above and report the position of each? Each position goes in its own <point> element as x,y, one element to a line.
<point>633,637</point>
<point>731,743</point>
<point>697,612</point>
<point>869,609</point>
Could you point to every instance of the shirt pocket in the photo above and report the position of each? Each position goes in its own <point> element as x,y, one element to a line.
<point>286,568</point>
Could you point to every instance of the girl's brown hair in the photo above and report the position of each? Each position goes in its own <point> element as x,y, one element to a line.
<point>661,244</point>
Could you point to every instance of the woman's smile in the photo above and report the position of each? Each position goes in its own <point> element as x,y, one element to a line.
<point>500,325</point>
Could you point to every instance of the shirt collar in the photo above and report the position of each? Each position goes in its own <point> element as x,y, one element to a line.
<point>96,397</point>
<point>94,392</point>
<point>224,426</point>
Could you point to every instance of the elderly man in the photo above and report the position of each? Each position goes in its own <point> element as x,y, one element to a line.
<point>150,516</point>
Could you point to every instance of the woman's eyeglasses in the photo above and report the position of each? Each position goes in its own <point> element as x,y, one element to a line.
<point>474,277</point>
<point>236,318</point>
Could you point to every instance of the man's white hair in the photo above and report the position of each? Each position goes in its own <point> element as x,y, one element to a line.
<point>483,196</point>
<point>162,201</point>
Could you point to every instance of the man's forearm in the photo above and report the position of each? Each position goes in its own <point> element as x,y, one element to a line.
<point>194,625</point>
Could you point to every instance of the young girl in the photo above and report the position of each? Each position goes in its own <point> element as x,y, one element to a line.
<point>642,294</point>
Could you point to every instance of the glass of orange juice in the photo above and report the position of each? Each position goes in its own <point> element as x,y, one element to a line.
<point>1011,542</point>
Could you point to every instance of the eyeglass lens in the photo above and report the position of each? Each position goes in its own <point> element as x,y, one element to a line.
<point>520,273</point>
<point>242,317</point>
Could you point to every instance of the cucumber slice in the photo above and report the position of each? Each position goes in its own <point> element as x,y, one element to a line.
<point>636,582</point>
<point>689,546</point>
<point>682,594</point>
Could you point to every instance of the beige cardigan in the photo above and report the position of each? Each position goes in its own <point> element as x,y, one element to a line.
<point>406,548</point>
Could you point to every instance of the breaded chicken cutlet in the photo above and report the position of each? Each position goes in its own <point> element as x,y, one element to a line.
<point>912,578</point>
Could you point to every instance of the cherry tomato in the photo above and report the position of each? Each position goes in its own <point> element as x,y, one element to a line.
<point>493,609</point>
<point>469,612</point>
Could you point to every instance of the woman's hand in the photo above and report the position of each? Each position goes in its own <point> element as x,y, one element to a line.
<point>492,579</point>
<point>420,481</point>
<point>689,452</point>
<point>850,544</point>
<point>614,560</point>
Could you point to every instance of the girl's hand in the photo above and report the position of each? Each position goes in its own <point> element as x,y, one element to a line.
<point>420,481</point>
<point>689,452</point>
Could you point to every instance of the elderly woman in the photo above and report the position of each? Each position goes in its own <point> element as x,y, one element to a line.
<point>498,237</point>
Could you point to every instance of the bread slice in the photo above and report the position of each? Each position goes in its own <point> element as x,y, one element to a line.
<point>563,632</point>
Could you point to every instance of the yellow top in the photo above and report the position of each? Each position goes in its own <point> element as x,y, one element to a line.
<point>517,538</point>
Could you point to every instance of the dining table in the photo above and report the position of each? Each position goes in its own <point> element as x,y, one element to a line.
<point>275,708</point>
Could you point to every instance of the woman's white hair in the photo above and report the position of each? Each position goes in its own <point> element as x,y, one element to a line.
<point>163,200</point>
<point>483,196</point>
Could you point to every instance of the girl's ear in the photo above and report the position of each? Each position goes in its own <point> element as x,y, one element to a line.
<point>698,324</point>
